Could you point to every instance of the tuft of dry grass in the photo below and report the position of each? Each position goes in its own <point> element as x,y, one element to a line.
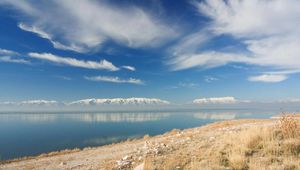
<point>289,125</point>
<point>148,165</point>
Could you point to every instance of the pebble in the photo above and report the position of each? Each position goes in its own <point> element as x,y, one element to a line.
<point>140,167</point>
<point>63,163</point>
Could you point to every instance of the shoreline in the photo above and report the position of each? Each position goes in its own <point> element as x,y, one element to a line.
<point>67,151</point>
<point>132,154</point>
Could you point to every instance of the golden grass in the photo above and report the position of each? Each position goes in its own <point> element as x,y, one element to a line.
<point>289,125</point>
<point>266,146</point>
<point>248,148</point>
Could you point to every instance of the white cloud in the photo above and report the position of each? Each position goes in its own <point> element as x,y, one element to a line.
<point>7,103</point>
<point>249,18</point>
<point>56,44</point>
<point>187,85</point>
<point>101,65</point>
<point>115,79</point>
<point>209,79</point>
<point>35,30</point>
<point>39,102</point>
<point>86,28</point>
<point>291,100</point>
<point>7,52</point>
<point>268,78</point>
<point>190,43</point>
<point>10,59</point>
<point>123,101</point>
<point>271,38</point>
<point>216,100</point>
<point>63,77</point>
<point>206,60</point>
<point>129,68</point>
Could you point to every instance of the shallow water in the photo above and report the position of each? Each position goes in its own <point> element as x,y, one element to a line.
<point>28,134</point>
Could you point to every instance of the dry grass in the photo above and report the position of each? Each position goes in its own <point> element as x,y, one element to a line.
<point>266,147</point>
<point>251,147</point>
<point>289,125</point>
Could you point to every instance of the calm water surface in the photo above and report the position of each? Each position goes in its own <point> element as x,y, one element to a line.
<point>28,134</point>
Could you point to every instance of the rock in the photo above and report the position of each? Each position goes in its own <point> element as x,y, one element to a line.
<point>125,162</point>
<point>146,145</point>
<point>156,151</point>
<point>163,145</point>
<point>63,163</point>
<point>140,167</point>
<point>121,164</point>
<point>211,139</point>
<point>125,157</point>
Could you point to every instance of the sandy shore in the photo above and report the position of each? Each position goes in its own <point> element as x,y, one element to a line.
<point>133,154</point>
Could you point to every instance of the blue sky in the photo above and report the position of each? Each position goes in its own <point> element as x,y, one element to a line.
<point>171,50</point>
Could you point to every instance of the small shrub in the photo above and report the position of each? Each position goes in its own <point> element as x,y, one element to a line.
<point>223,158</point>
<point>292,146</point>
<point>288,124</point>
<point>237,161</point>
<point>254,142</point>
<point>290,167</point>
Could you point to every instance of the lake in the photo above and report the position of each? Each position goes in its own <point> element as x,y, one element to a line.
<point>29,134</point>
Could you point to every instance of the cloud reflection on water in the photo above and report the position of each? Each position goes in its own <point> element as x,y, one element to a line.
<point>31,118</point>
<point>215,116</point>
<point>121,117</point>
<point>85,117</point>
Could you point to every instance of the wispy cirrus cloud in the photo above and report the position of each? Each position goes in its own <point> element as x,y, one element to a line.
<point>101,65</point>
<point>7,52</point>
<point>209,79</point>
<point>12,57</point>
<point>48,36</point>
<point>130,68</point>
<point>63,77</point>
<point>187,85</point>
<point>93,24</point>
<point>268,78</point>
<point>270,38</point>
<point>115,79</point>
<point>15,57</point>
<point>39,102</point>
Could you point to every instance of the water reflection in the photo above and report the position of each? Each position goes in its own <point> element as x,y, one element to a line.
<point>31,118</point>
<point>86,117</point>
<point>216,116</point>
<point>121,117</point>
